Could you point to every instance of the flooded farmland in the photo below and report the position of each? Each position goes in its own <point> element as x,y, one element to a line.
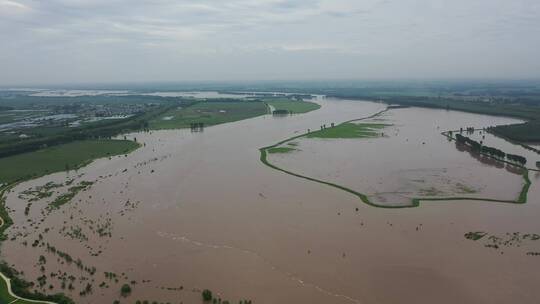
<point>409,159</point>
<point>190,211</point>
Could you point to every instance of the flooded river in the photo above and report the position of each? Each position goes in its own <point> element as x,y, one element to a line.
<point>190,211</point>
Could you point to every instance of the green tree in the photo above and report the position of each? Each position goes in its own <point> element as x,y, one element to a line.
<point>207,295</point>
<point>125,290</point>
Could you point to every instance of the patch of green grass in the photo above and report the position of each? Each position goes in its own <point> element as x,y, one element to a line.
<point>281,150</point>
<point>208,113</point>
<point>350,130</point>
<point>293,106</point>
<point>59,158</point>
<point>4,295</point>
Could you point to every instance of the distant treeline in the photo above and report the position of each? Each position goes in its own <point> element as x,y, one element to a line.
<point>106,129</point>
<point>478,147</point>
<point>25,101</point>
<point>230,100</point>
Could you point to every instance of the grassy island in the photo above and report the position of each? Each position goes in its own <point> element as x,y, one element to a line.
<point>350,130</point>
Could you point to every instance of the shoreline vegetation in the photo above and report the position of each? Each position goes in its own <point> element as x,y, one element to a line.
<point>71,156</point>
<point>13,289</point>
<point>415,202</point>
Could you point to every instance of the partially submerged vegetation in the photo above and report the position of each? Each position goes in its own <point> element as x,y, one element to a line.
<point>508,240</point>
<point>70,194</point>
<point>478,147</point>
<point>209,297</point>
<point>25,166</point>
<point>349,130</point>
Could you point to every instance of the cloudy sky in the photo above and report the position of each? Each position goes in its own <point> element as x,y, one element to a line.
<point>77,41</point>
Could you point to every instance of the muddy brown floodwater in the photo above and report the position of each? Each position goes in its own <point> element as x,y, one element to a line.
<point>191,211</point>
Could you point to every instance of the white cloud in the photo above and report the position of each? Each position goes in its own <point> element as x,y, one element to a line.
<point>8,7</point>
<point>354,38</point>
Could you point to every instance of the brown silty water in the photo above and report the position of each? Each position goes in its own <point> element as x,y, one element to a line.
<point>204,212</point>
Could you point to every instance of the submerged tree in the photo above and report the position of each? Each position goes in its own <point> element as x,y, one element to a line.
<point>125,290</point>
<point>207,295</point>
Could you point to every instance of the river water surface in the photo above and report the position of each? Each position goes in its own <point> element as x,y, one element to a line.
<point>190,211</point>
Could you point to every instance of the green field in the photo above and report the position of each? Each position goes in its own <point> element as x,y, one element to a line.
<point>59,158</point>
<point>6,298</point>
<point>4,295</point>
<point>293,106</point>
<point>208,113</point>
<point>350,130</point>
